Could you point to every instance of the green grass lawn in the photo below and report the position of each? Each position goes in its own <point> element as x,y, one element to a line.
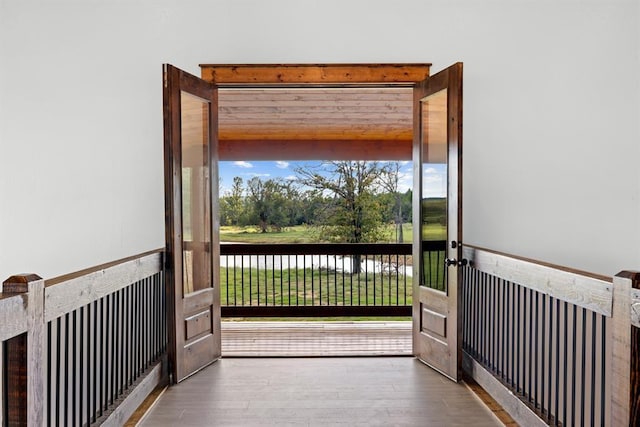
<point>311,287</point>
<point>308,234</point>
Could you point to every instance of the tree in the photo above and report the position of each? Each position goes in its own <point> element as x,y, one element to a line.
<point>390,180</point>
<point>293,204</point>
<point>353,214</point>
<point>311,205</point>
<point>232,204</point>
<point>267,204</point>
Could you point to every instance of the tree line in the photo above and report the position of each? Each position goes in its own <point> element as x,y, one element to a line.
<point>346,201</point>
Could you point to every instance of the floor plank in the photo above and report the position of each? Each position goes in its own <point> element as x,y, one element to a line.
<point>345,391</point>
<point>296,339</point>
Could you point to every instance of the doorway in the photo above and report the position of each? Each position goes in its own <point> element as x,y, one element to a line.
<point>431,326</point>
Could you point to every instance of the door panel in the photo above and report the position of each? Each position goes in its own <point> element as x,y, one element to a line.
<point>438,220</point>
<point>190,120</point>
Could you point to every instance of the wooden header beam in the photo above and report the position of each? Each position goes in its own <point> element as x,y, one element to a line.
<point>314,74</point>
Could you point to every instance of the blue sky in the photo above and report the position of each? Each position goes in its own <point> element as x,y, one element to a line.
<point>433,176</point>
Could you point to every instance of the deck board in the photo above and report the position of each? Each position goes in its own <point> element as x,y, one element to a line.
<point>362,391</point>
<point>304,339</point>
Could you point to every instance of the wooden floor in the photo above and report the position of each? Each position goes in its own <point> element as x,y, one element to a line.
<point>295,339</point>
<point>339,391</point>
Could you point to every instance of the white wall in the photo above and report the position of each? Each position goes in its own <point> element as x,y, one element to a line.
<point>552,106</point>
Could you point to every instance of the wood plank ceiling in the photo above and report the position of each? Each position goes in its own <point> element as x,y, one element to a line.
<point>315,123</point>
<point>315,111</point>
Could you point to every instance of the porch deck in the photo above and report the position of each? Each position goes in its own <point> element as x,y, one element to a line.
<point>365,391</point>
<point>303,339</point>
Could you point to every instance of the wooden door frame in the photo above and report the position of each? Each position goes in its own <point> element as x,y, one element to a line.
<point>318,75</point>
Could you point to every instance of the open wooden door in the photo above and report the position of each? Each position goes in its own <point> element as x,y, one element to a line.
<point>437,219</point>
<point>191,222</point>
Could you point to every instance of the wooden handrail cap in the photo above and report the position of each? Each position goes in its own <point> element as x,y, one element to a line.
<point>19,282</point>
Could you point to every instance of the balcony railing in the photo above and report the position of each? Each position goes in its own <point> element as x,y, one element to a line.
<point>541,332</point>
<point>551,345</point>
<point>85,348</point>
<point>98,348</point>
<point>316,280</point>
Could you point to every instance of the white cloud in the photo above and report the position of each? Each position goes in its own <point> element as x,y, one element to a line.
<point>282,165</point>
<point>430,170</point>
<point>291,178</point>
<point>243,164</point>
<point>258,175</point>
<point>432,178</point>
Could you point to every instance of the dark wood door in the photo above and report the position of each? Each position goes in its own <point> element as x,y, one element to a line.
<point>437,154</point>
<point>191,222</point>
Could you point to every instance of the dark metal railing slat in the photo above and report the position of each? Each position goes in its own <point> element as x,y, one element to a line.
<point>81,366</point>
<point>573,365</point>
<point>592,405</point>
<point>550,361</point>
<point>494,325</point>
<point>49,372</point>
<point>319,281</point>
<point>104,360</point>
<point>583,365</point>
<point>603,368</point>
<point>557,360</point>
<point>543,353</point>
<point>281,284</point>
<point>566,363</point>
<point>536,331</point>
<point>531,345</point>
<point>241,278</point>
<point>66,369</point>
<point>518,319</point>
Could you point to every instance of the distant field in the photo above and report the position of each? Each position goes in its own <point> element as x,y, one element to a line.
<point>296,234</point>
<point>307,234</point>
